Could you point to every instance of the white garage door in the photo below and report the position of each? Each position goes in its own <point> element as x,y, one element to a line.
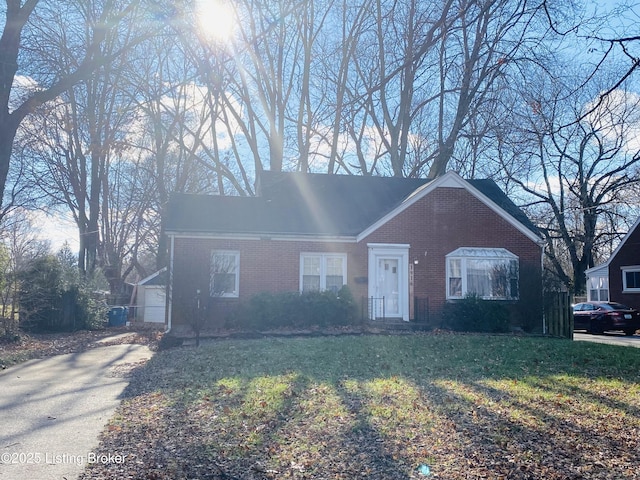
<point>154,304</point>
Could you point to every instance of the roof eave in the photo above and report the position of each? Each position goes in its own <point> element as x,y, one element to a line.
<point>618,248</point>
<point>274,236</point>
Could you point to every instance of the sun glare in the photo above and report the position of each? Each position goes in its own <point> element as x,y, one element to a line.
<point>215,19</point>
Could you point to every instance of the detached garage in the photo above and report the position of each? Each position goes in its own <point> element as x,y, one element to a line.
<point>149,298</point>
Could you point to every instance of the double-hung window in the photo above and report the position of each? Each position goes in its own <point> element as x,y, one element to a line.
<point>490,273</point>
<point>631,279</point>
<point>322,271</point>
<point>225,268</point>
<point>598,288</point>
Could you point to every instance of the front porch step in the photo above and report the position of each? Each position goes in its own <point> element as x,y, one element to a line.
<point>397,324</point>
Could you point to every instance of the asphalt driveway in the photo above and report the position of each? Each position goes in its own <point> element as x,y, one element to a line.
<point>52,410</point>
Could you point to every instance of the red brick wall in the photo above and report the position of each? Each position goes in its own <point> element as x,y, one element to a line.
<point>265,266</point>
<point>628,255</point>
<point>449,218</point>
<point>444,220</point>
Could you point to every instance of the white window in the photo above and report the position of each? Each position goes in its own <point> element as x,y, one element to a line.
<point>631,279</point>
<point>225,268</point>
<point>490,273</point>
<point>322,271</point>
<point>599,289</point>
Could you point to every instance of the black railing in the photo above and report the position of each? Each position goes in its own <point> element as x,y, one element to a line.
<point>421,310</point>
<point>373,308</point>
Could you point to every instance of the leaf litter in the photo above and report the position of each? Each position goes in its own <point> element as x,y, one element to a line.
<point>273,410</point>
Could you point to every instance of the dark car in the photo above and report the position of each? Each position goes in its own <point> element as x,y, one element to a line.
<point>598,317</point>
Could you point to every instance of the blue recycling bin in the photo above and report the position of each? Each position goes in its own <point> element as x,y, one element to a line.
<point>117,316</point>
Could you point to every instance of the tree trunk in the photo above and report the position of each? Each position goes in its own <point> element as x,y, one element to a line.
<point>7,135</point>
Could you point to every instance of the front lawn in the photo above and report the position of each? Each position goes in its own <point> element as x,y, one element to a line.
<point>380,407</point>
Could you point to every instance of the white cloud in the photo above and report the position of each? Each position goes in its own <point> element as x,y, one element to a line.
<point>617,117</point>
<point>57,229</point>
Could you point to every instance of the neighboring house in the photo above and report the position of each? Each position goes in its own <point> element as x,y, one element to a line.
<point>618,279</point>
<point>148,300</point>
<point>392,238</point>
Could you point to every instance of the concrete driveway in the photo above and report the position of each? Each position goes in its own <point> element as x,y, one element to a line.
<point>52,410</point>
<point>609,338</point>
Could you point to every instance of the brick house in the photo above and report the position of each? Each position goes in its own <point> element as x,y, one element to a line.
<point>618,279</point>
<point>395,239</point>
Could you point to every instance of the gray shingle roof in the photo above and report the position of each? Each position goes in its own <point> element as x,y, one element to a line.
<point>307,204</point>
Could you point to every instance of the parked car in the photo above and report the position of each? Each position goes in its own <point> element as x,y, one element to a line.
<point>598,317</point>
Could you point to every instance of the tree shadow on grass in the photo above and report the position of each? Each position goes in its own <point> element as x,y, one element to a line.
<point>530,440</point>
<point>319,427</point>
<point>285,425</point>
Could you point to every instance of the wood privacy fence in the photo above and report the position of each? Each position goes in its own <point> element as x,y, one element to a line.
<point>558,314</point>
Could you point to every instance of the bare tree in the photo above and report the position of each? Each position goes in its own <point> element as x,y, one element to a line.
<point>579,174</point>
<point>30,38</point>
<point>425,74</point>
<point>266,52</point>
<point>609,32</point>
<point>84,130</point>
<point>401,30</point>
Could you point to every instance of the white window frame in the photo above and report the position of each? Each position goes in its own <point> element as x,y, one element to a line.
<point>236,271</point>
<point>598,284</point>
<point>625,270</point>
<point>323,257</point>
<point>466,254</point>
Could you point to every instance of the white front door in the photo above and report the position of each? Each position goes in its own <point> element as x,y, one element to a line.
<point>388,285</point>
<point>389,281</point>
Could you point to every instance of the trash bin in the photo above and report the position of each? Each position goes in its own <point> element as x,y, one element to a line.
<point>117,316</point>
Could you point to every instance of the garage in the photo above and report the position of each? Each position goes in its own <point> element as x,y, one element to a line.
<point>149,298</point>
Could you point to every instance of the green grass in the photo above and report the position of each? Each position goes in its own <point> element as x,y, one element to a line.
<point>468,406</point>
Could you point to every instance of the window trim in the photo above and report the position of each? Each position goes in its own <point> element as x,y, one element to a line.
<point>464,254</point>
<point>236,289</point>
<point>625,270</point>
<point>323,268</point>
<point>602,286</point>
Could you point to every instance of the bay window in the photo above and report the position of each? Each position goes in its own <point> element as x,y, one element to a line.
<point>490,273</point>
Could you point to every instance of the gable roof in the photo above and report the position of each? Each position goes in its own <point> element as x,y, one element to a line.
<point>321,205</point>
<point>484,190</point>
<point>156,278</point>
<point>595,269</point>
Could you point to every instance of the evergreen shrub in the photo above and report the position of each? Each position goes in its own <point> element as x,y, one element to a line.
<point>474,314</point>
<point>296,310</point>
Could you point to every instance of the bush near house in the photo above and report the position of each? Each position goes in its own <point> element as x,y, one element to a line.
<point>473,314</point>
<point>299,310</point>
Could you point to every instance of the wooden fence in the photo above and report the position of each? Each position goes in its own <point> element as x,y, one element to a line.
<point>558,314</point>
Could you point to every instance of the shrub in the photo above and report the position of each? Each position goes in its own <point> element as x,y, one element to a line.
<point>473,314</point>
<point>53,297</point>
<point>299,310</point>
